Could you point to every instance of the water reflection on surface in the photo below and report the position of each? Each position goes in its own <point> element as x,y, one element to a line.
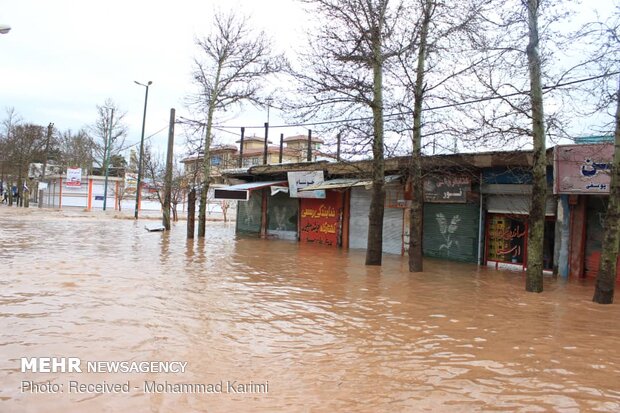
<point>325,331</point>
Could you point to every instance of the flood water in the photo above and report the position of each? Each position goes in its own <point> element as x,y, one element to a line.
<point>323,331</point>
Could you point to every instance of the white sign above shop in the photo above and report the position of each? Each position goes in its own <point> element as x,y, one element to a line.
<point>299,180</point>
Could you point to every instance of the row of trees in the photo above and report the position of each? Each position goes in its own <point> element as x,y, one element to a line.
<point>470,70</point>
<point>23,143</point>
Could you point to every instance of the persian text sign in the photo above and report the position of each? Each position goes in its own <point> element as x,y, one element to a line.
<point>582,169</point>
<point>298,180</point>
<point>74,177</point>
<point>452,189</point>
<point>131,183</point>
<point>320,219</point>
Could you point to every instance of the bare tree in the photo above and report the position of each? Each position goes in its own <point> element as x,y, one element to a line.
<point>22,144</point>
<point>109,117</point>
<point>155,172</point>
<point>76,149</point>
<point>535,239</point>
<point>605,60</point>
<point>342,75</point>
<point>233,63</point>
<point>522,47</point>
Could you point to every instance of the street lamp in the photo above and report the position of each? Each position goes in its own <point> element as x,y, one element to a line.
<point>5,28</point>
<point>146,97</point>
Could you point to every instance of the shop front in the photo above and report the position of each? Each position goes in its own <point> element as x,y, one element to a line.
<point>451,219</point>
<point>506,226</point>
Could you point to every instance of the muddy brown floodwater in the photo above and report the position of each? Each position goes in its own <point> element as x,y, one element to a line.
<point>304,328</point>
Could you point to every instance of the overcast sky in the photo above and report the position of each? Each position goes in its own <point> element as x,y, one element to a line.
<point>64,57</point>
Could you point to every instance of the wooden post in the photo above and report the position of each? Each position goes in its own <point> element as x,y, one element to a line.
<point>281,147</point>
<point>577,246</point>
<point>309,155</point>
<point>346,214</point>
<point>241,148</point>
<point>60,193</point>
<point>263,224</point>
<point>168,178</point>
<point>89,203</point>
<point>191,213</point>
<point>266,144</point>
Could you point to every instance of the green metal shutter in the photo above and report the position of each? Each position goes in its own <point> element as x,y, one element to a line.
<point>282,213</point>
<point>249,214</point>
<point>451,231</point>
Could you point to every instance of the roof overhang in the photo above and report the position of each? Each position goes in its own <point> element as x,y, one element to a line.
<point>241,192</point>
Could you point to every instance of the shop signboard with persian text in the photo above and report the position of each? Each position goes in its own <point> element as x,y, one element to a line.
<point>446,189</point>
<point>582,169</point>
<point>303,179</point>
<point>320,219</point>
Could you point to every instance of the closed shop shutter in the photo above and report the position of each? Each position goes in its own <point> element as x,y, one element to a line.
<point>516,204</point>
<point>393,230</point>
<point>451,231</point>
<point>595,219</point>
<point>358,223</point>
<point>282,216</point>
<point>249,214</point>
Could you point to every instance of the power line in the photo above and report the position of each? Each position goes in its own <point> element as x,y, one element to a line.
<point>409,112</point>
<point>148,137</point>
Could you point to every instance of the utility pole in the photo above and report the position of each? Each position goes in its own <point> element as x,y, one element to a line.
<point>241,147</point>
<point>138,191</point>
<point>106,161</point>
<point>168,178</point>
<point>309,154</point>
<point>266,143</point>
<point>50,128</point>
<point>281,147</point>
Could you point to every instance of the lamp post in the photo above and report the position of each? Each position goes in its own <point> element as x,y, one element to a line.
<point>146,98</point>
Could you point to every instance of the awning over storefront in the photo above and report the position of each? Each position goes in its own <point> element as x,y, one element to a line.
<point>241,192</point>
<point>342,183</point>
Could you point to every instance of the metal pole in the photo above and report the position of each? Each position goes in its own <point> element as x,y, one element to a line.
<point>50,127</point>
<point>106,162</point>
<point>168,183</point>
<point>309,157</point>
<point>241,148</point>
<point>146,98</point>
<point>281,147</point>
<point>265,150</point>
<point>338,148</point>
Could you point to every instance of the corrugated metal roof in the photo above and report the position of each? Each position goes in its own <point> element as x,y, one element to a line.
<point>252,185</point>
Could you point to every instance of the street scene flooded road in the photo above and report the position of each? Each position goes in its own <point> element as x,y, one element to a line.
<point>295,327</point>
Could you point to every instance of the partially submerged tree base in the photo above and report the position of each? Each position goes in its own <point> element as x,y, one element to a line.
<point>603,294</point>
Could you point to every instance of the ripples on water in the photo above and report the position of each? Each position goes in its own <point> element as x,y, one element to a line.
<point>327,332</point>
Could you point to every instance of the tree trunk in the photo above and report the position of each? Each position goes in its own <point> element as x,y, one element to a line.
<point>191,213</point>
<point>535,239</point>
<point>206,161</point>
<point>606,277</point>
<point>415,171</point>
<point>374,248</point>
